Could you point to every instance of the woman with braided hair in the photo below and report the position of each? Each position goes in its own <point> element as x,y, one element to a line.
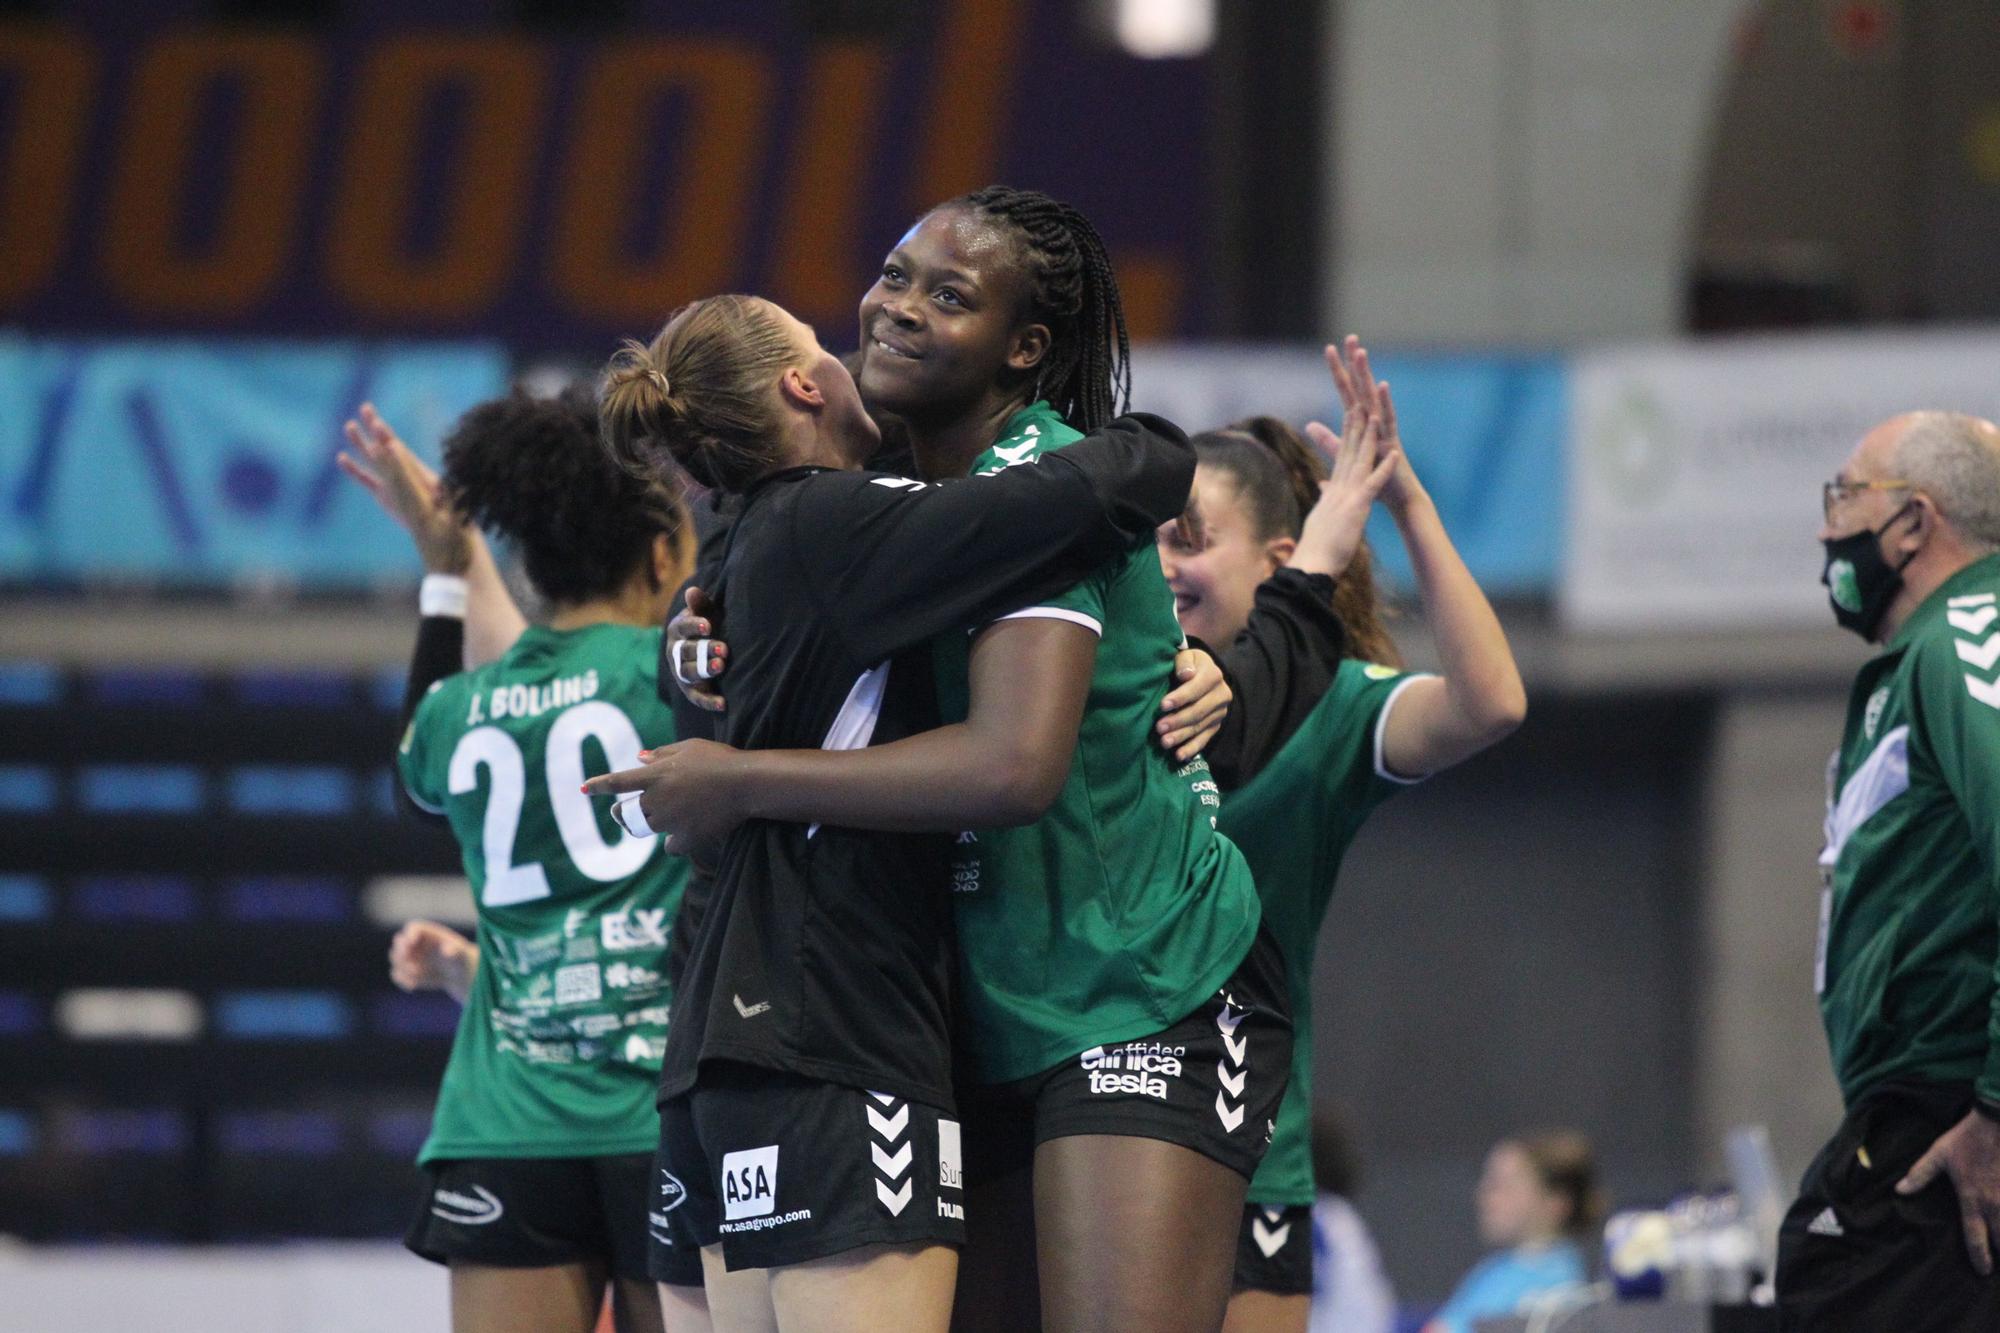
<point>1123,1037</point>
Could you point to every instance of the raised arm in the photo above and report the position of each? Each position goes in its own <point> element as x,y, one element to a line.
<point>1004,765</point>
<point>1284,660</point>
<point>1479,699</point>
<point>407,489</point>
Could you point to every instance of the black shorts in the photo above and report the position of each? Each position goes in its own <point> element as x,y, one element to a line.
<point>1855,1255</point>
<point>1274,1250</point>
<point>1211,1082</point>
<point>536,1212</point>
<point>781,1169</point>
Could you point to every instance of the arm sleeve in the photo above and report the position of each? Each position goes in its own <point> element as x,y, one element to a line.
<point>894,561</point>
<point>1961,722</point>
<point>1278,668</point>
<point>439,653</point>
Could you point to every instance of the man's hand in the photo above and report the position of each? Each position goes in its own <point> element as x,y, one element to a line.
<point>696,656</point>
<point>407,489</point>
<point>427,956</point>
<point>685,791</point>
<point>1195,710</point>
<point>1969,1153</point>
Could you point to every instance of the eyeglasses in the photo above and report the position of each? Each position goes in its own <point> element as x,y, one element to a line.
<point>1837,491</point>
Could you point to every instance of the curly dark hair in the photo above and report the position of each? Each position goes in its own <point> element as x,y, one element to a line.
<point>1087,375</point>
<point>532,470</point>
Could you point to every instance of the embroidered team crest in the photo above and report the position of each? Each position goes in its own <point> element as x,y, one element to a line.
<point>1872,716</point>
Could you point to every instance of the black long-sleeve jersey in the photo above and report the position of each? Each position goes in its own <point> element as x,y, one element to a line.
<point>1279,666</point>
<point>827,951</point>
<point>439,652</point>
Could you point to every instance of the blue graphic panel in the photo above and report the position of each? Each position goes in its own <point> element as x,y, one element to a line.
<point>1487,435</point>
<point>193,463</point>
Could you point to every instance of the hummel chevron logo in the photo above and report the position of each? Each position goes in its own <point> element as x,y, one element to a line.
<point>1269,1239</point>
<point>1230,1116</point>
<point>1982,655</point>
<point>1229,1022</point>
<point>896,1202</point>
<point>1986,692</point>
<point>1973,599</point>
<point>891,1166</point>
<point>1973,622</point>
<point>751,1010</point>
<point>889,1126</point>
<point>1238,1047</point>
<point>1235,1085</point>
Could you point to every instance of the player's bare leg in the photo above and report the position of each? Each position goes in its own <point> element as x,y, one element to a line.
<point>1267,1312</point>
<point>635,1306</point>
<point>683,1309</point>
<point>1134,1234</point>
<point>563,1298</point>
<point>998,1288</point>
<point>868,1289</point>
<point>738,1302</point>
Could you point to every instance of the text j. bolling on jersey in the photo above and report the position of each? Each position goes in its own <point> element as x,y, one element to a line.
<point>1911,862</point>
<point>558,1049</point>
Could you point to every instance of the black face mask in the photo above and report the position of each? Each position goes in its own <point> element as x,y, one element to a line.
<point>1860,584</point>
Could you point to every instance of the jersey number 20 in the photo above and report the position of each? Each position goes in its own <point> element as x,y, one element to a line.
<point>576,820</point>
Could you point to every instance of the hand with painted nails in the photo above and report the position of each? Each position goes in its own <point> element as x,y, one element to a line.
<point>686,791</point>
<point>695,652</point>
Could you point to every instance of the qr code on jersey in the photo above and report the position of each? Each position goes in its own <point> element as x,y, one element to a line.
<point>582,983</point>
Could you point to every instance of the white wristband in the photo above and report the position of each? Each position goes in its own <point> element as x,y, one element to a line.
<point>442,595</point>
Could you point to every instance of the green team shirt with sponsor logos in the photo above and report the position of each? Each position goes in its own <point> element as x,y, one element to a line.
<point>1911,862</point>
<point>1294,822</point>
<point>1121,909</point>
<point>558,1049</point>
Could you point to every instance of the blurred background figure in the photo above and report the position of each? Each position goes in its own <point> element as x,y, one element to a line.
<point>1351,1293</point>
<point>1539,1209</point>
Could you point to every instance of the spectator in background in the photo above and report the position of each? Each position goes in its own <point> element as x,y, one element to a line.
<point>1350,1294</point>
<point>1538,1205</point>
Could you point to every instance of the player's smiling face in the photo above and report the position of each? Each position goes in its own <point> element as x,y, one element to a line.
<point>1215,584</point>
<point>940,327</point>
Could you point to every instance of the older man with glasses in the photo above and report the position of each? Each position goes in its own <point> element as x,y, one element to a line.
<point>1898,1219</point>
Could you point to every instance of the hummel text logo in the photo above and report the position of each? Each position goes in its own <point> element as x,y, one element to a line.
<point>467,1210</point>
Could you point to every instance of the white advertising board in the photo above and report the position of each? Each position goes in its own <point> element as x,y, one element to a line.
<point>1695,468</point>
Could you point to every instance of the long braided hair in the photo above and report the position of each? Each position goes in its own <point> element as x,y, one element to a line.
<point>1087,374</point>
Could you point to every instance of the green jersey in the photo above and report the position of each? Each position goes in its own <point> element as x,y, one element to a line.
<point>558,1050</point>
<point>1911,864</point>
<point>1121,909</point>
<point>1294,822</point>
